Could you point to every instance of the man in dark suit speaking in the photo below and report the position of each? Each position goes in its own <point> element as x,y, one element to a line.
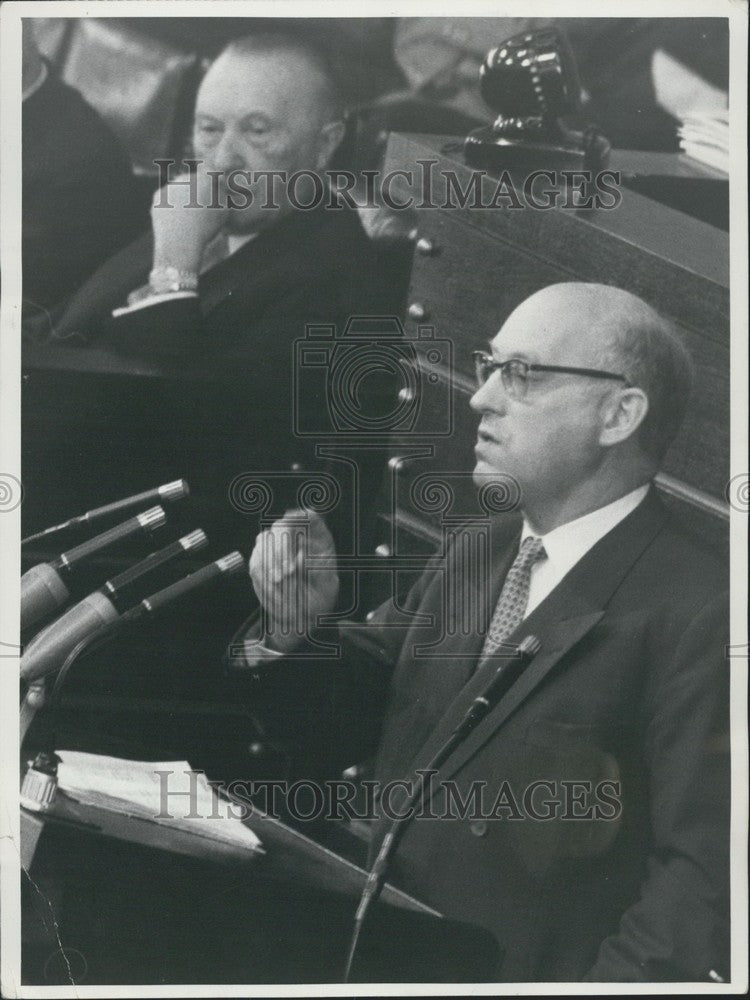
<point>596,844</point>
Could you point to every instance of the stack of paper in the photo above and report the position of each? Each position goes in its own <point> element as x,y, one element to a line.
<point>705,137</point>
<point>166,792</point>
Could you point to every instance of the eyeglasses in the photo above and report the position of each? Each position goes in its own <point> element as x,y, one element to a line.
<point>515,373</point>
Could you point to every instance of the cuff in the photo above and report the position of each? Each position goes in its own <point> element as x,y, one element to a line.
<point>246,651</point>
<point>153,300</point>
<point>255,652</point>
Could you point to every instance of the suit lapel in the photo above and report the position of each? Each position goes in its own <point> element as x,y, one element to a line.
<point>565,617</point>
<point>432,671</point>
<point>244,269</point>
<point>268,265</point>
<point>471,586</point>
<point>558,640</point>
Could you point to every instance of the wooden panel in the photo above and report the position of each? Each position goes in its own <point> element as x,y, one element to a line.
<point>678,264</point>
<point>700,452</point>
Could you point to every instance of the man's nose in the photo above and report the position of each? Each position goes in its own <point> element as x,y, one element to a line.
<point>489,397</point>
<point>227,155</point>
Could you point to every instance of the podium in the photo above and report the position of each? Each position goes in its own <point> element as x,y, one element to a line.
<point>131,901</point>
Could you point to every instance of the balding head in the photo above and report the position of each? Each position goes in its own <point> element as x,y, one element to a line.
<point>291,53</point>
<point>268,104</point>
<point>576,440</point>
<point>648,350</point>
<point>599,326</point>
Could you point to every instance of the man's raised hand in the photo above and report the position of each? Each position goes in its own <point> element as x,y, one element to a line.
<point>293,571</point>
<point>186,214</point>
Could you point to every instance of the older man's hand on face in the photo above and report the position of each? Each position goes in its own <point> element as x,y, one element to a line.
<point>293,572</point>
<point>186,214</point>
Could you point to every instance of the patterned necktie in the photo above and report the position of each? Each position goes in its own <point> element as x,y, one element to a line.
<point>514,597</point>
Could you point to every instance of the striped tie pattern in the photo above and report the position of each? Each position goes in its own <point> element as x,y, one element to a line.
<point>511,605</point>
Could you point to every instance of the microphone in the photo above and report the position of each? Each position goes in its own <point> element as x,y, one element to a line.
<point>151,606</point>
<point>107,625</point>
<point>119,590</point>
<point>505,676</point>
<point>168,493</point>
<point>44,588</point>
<point>51,646</point>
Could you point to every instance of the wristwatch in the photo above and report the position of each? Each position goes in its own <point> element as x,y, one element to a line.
<point>171,279</point>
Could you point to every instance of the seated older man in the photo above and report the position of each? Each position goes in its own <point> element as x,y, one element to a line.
<point>234,270</point>
<point>584,822</point>
<point>241,257</point>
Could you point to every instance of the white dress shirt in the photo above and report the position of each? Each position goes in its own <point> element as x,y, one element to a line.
<point>569,543</point>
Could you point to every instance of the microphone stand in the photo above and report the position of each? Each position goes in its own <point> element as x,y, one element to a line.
<point>88,644</point>
<point>149,606</point>
<point>505,675</point>
<point>29,711</point>
<point>40,781</point>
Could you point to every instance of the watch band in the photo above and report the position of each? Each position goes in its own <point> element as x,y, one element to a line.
<point>172,279</point>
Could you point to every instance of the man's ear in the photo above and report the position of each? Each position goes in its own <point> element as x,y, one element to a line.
<point>330,138</point>
<point>623,413</point>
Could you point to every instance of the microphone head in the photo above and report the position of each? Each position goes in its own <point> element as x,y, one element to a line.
<point>174,491</point>
<point>152,518</point>
<point>230,563</point>
<point>120,587</point>
<point>195,540</point>
<point>533,74</point>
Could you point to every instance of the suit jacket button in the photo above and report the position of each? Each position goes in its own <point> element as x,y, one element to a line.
<point>478,827</point>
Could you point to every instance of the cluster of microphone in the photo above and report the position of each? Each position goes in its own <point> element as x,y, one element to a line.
<point>48,589</point>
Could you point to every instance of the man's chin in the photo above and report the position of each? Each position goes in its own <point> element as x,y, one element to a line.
<point>485,473</point>
<point>499,484</point>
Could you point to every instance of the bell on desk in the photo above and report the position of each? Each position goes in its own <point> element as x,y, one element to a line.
<point>531,81</point>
